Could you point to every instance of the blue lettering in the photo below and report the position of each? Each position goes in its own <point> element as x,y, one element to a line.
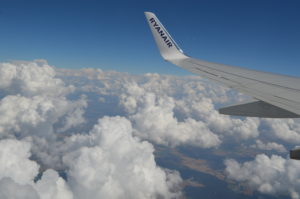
<point>161,32</point>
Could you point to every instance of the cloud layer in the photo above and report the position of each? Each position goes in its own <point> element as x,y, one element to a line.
<point>176,111</point>
<point>40,143</point>
<point>88,133</point>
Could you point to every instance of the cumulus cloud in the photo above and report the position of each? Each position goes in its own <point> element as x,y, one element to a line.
<point>180,100</point>
<point>269,146</point>
<point>43,108</point>
<point>35,97</point>
<point>51,186</point>
<point>18,172</point>
<point>184,99</point>
<point>287,130</point>
<point>11,189</point>
<point>34,106</point>
<point>31,78</point>
<point>176,111</point>
<point>109,163</point>
<point>21,115</point>
<point>38,136</point>
<point>270,175</point>
<point>154,119</point>
<point>15,163</point>
<point>185,116</point>
<point>118,165</point>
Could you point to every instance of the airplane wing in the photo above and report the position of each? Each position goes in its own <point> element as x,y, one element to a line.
<point>275,96</point>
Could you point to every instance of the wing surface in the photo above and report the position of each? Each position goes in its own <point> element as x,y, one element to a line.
<point>280,91</point>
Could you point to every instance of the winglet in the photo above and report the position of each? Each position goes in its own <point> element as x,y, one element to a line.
<point>168,48</point>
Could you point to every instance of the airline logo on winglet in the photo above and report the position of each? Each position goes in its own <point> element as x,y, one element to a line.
<point>161,32</point>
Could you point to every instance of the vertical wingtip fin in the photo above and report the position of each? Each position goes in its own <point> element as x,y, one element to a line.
<point>168,48</point>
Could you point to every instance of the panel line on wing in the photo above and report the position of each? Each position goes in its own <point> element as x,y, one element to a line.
<point>264,82</point>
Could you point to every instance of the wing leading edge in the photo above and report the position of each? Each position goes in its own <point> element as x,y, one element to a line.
<point>278,96</point>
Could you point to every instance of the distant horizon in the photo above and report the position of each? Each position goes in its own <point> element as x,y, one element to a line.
<point>181,72</point>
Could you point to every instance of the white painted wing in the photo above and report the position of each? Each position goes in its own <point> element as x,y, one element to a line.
<point>279,92</point>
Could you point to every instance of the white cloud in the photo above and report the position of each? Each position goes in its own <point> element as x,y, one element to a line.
<point>204,109</point>
<point>109,163</point>
<point>35,108</point>
<point>284,129</point>
<point>38,118</point>
<point>20,114</point>
<point>51,186</point>
<point>117,165</point>
<point>36,97</point>
<point>31,78</point>
<point>177,111</point>
<point>15,163</point>
<point>11,189</point>
<point>153,119</point>
<point>17,172</point>
<point>269,146</point>
<point>270,175</point>
<point>190,118</point>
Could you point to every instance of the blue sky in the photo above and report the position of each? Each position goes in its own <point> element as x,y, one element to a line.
<point>114,35</point>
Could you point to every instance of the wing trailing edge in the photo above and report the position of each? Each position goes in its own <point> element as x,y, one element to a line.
<point>257,109</point>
